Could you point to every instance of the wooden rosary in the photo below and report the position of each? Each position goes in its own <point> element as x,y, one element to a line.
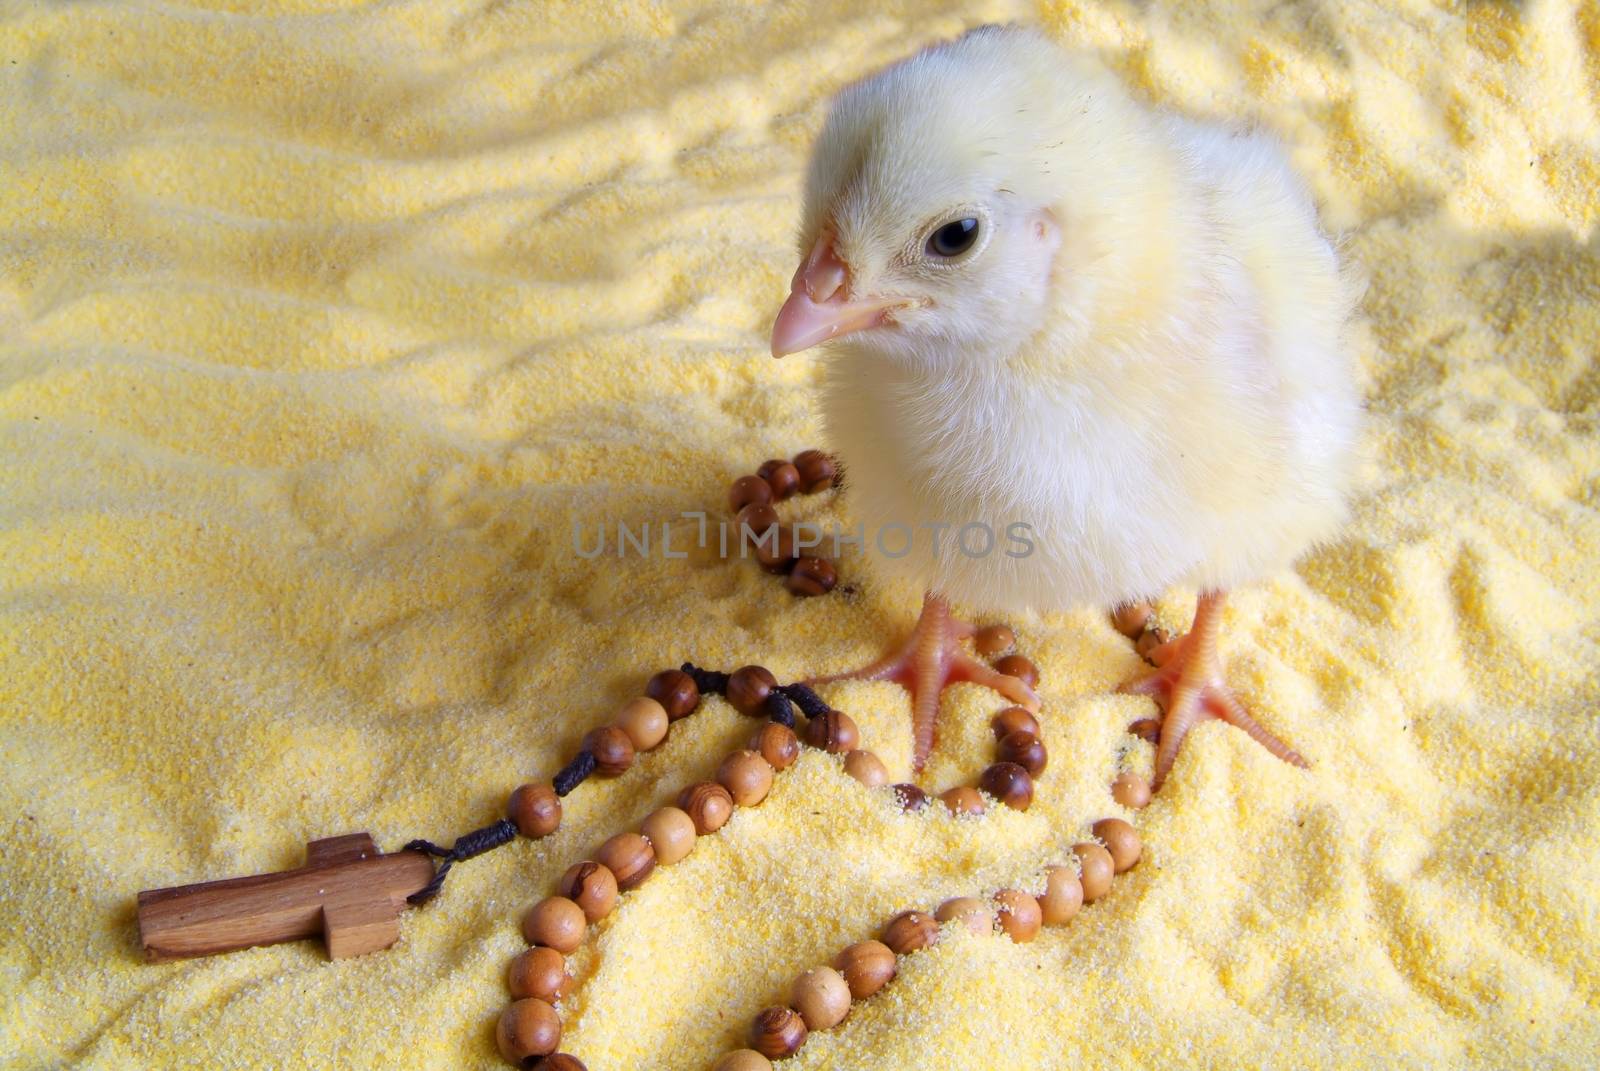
<point>351,894</point>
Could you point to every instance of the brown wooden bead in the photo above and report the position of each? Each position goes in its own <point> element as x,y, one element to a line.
<point>781,476</point>
<point>1121,840</point>
<point>1024,749</point>
<point>747,490</point>
<point>1008,783</point>
<point>747,777</point>
<point>748,688</point>
<point>1062,896</point>
<point>867,966</point>
<point>909,797</point>
<point>708,805</point>
<point>817,470</point>
<point>557,923</point>
<point>1131,790</point>
<point>560,1061</point>
<point>612,749</point>
<point>1017,666</point>
<point>866,767</point>
<point>968,910</point>
<point>994,639</point>
<point>1013,720</point>
<point>778,553</point>
<point>963,800</point>
<point>539,972</point>
<point>757,518</point>
<point>777,744</point>
<point>1147,729</point>
<point>833,731</point>
<point>778,1032</point>
<point>909,931</point>
<point>592,887</point>
<point>742,1060</point>
<point>536,810</point>
<point>671,833</point>
<point>822,997</point>
<point>645,722</point>
<point>1020,916</point>
<point>676,691</point>
<point>630,857</point>
<point>528,1027</point>
<point>812,576</point>
<point>1147,643</point>
<point>1097,869</point>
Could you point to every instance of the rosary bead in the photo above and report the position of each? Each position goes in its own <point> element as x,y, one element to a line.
<point>528,1027</point>
<point>1008,783</point>
<point>781,476</point>
<point>747,490</point>
<point>822,997</point>
<point>970,911</point>
<point>748,688</point>
<point>539,972</point>
<point>555,922</point>
<point>628,856</point>
<point>963,800</point>
<point>536,810</point>
<point>994,639</point>
<point>1013,720</point>
<point>909,931</point>
<point>817,471</point>
<point>1020,668</point>
<point>778,1032</point>
<point>909,796</point>
<point>777,553</point>
<point>1131,790</point>
<point>866,767</point>
<point>1147,729</point>
<point>743,1060</point>
<point>758,517</point>
<point>675,690</point>
<point>1097,870</point>
<point>645,722</point>
<point>747,777</point>
<point>670,832</point>
<point>1020,916</point>
<point>612,749</point>
<point>777,744</point>
<point>812,576</point>
<point>1121,840</point>
<point>1024,749</point>
<point>560,1062</point>
<point>867,966</point>
<point>833,731</point>
<point>708,804</point>
<point>1062,897</point>
<point>592,887</point>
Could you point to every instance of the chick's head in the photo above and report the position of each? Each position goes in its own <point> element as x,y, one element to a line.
<point>934,202</point>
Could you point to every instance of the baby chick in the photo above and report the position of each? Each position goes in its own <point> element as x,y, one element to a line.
<point>1052,306</point>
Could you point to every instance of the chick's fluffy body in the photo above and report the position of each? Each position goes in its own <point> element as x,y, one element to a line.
<point>1168,404</point>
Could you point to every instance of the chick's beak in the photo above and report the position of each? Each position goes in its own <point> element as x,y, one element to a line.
<point>817,310</point>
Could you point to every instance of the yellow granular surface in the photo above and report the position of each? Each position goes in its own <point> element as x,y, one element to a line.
<point>322,325</point>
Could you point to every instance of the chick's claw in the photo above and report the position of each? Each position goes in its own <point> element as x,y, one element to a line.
<point>929,662</point>
<point>1190,686</point>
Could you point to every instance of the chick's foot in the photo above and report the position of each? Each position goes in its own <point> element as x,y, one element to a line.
<point>1189,685</point>
<point>929,662</point>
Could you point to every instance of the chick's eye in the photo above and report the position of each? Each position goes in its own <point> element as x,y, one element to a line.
<point>954,238</point>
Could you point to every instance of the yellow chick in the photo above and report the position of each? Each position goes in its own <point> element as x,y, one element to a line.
<point>1051,307</point>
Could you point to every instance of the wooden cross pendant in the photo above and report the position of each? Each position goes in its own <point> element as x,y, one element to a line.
<point>348,892</point>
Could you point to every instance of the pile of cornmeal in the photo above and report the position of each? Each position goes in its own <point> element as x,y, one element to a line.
<point>323,326</point>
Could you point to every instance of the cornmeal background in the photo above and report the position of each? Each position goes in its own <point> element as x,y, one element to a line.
<point>320,327</point>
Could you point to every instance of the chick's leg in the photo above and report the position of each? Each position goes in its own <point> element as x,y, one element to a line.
<point>1189,683</point>
<point>930,661</point>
